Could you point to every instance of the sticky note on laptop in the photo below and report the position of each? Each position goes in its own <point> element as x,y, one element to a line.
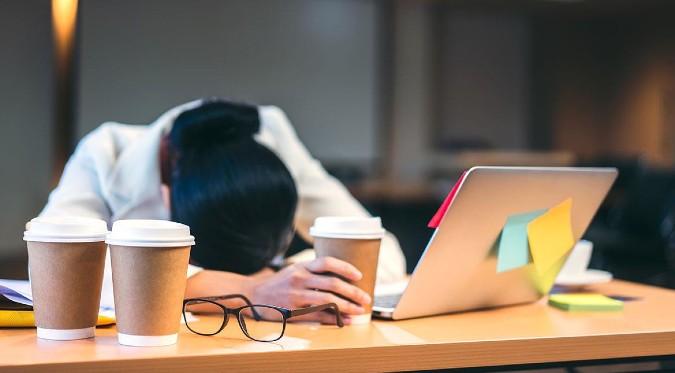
<point>550,236</point>
<point>585,302</point>
<point>514,251</point>
<point>436,220</point>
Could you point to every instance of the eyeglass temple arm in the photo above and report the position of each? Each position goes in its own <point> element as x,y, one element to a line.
<point>332,306</point>
<point>256,316</point>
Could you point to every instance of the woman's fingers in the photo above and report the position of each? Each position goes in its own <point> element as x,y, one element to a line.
<point>334,288</point>
<point>336,266</point>
<point>317,297</point>
<point>324,280</point>
<point>335,285</point>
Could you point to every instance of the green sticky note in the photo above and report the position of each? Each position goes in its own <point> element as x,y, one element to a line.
<point>513,251</point>
<point>585,302</point>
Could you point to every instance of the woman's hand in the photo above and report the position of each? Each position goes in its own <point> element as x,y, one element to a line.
<point>306,283</point>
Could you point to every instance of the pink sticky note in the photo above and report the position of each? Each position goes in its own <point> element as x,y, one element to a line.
<point>436,220</point>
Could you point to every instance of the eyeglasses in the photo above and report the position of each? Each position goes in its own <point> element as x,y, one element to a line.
<point>250,317</point>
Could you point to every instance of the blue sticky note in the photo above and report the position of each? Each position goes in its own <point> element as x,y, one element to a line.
<point>513,251</point>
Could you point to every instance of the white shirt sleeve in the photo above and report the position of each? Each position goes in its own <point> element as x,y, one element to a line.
<point>79,190</point>
<point>320,194</point>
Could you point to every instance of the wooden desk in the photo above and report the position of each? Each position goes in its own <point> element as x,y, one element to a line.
<point>533,333</point>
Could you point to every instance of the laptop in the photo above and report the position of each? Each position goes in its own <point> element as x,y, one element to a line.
<point>458,269</point>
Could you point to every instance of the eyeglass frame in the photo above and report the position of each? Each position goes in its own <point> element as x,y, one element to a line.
<point>285,312</point>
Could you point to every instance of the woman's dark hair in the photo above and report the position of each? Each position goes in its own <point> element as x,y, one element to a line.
<point>236,195</point>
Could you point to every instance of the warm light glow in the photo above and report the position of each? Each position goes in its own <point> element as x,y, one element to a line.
<point>64,19</point>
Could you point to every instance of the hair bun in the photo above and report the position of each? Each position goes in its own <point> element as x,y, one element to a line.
<point>215,122</point>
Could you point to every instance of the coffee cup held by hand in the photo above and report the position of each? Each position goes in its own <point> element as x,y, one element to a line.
<point>578,260</point>
<point>66,258</point>
<point>355,240</point>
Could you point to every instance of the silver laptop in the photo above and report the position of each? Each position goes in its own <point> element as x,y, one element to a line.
<point>458,269</point>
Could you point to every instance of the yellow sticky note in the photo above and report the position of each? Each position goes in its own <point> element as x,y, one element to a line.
<point>550,236</point>
<point>544,282</point>
<point>585,302</point>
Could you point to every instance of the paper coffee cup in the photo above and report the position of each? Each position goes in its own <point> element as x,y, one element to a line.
<point>66,258</point>
<point>355,240</point>
<point>149,265</point>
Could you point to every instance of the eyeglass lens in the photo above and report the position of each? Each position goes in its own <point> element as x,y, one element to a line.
<point>205,327</point>
<point>262,330</point>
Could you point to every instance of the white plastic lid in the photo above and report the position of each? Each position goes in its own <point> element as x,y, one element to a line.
<point>66,229</point>
<point>354,227</point>
<point>150,233</point>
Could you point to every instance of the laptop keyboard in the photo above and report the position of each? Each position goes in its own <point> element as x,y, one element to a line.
<point>387,301</point>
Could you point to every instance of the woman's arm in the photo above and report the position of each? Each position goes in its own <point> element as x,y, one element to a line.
<point>79,191</point>
<point>320,194</point>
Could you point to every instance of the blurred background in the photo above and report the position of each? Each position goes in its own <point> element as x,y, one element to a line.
<point>395,97</point>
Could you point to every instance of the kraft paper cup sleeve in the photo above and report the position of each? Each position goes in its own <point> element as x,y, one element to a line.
<point>66,281</point>
<point>149,286</point>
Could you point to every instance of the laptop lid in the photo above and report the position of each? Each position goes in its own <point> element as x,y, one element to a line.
<point>458,269</point>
